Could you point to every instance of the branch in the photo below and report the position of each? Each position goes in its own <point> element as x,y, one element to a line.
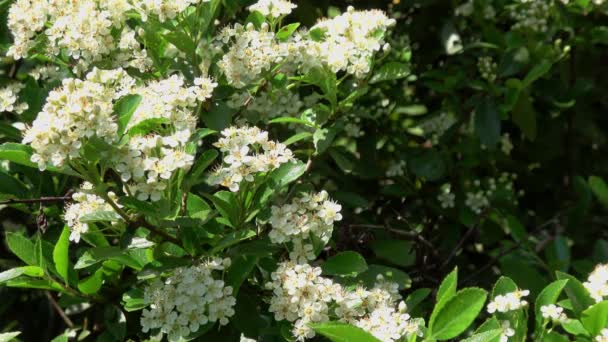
<point>38,200</point>
<point>464,238</point>
<point>495,259</point>
<point>59,310</point>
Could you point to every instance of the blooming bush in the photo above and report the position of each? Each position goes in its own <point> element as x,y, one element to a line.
<point>273,170</point>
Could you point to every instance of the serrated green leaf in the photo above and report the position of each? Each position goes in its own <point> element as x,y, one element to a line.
<point>458,313</point>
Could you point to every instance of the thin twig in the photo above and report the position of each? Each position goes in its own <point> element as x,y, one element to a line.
<point>59,310</point>
<point>37,200</point>
<point>495,259</point>
<point>464,239</point>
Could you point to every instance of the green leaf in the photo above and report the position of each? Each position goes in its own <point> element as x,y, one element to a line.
<point>32,271</point>
<point>595,318</point>
<point>133,300</point>
<point>291,120</point>
<point>226,204</point>
<point>538,71</point>
<point>197,207</point>
<point>458,313</point>
<point>524,116</point>
<point>297,137</point>
<point>575,327</point>
<point>9,336</point>
<point>232,239</point>
<point>101,216</point>
<point>10,185</point>
<point>22,154</point>
<point>91,284</point>
<point>548,295</point>
<point>416,298</point>
<point>447,290</point>
<point>22,247</point>
<point>599,189</point>
<point>148,126</point>
<point>503,286</point>
<point>286,31</point>
<point>60,254</point>
<point>200,165</point>
<point>370,277</point>
<point>124,109</point>
<point>558,254</point>
<point>486,336</point>
<point>577,293</point>
<point>342,332</point>
<point>391,71</point>
<point>398,252</point>
<point>98,254</point>
<point>428,164</point>
<point>487,122</point>
<point>239,271</point>
<point>412,110</point>
<point>219,117</point>
<point>344,264</point>
<point>287,173</point>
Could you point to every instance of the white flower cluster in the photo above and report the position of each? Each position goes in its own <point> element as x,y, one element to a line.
<point>480,197</point>
<point>603,336</point>
<point>396,168</point>
<point>301,295</point>
<point>508,302</point>
<point>467,8</point>
<point>597,282</point>
<point>348,44</point>
<point>9,98</point>
<point>446,198</point>
<point>78,110</point>
<point>190,298</point>
<point>163,9</point>
<point>270,104</point>
<point>295,222</point>
<point>435,127</point>
<point>487,68</point>
<point>353,128</point>
<point>247,151</point>
<point>148,162</point>
<point>84,29</point>
<point>349,41</point>
<point>81,110</point>
<point>273,8</point>
<point>85,203</point>
<point>477,201</point>
<point>46,73</point>
<point>553,312</point>
<point>531,15</point>
<point>252,53</point>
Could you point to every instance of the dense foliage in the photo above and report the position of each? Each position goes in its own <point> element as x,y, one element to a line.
<point>241,170</point>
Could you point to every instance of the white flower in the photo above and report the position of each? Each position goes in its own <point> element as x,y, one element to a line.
<point>305,215</point>
<point>187,300</point>
<point>508,302</point>
<point>487,68</point>
<point>553,312</point>
<point>85,203</point>
<point>273,8</point>
<point>507,331</point>
<point>349,41</point>
<point>446,198</point>
<point>597,282</point>
<point>301,295</point>
<point>247,151</point>
<point>603,337</point>
<point>9,98</point>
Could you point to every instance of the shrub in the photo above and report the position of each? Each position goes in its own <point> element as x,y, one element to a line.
<point>268,171</point>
